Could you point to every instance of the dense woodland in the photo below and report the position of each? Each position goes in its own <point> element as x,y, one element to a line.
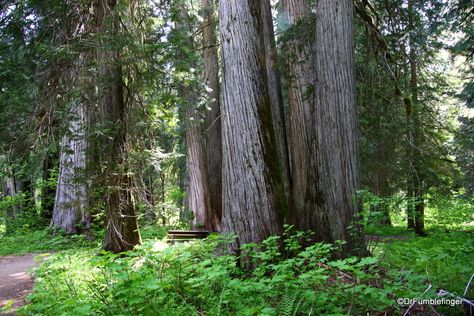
<point>326,145</point>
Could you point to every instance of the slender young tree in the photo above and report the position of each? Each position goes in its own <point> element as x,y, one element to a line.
<point>335,122</point>
<point>253,200</point>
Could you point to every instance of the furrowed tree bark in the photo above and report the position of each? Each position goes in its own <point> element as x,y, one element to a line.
<point>121,210</point>
<point>300,60</point>
<point>276,98</point>
<point>336,128</point>
<point>212,120</point>
<point>71,201</point>
<point>253,197</point>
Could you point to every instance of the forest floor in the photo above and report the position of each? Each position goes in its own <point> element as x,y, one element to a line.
<point>15,282</point>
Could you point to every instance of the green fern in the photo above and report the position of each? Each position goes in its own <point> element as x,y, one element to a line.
<point>288,303</point>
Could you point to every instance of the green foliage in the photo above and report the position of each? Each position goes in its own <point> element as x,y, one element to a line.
<point>189,279</point>
<point>26,241</point>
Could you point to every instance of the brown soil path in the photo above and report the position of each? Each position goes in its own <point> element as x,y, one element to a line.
<point>15,282</point>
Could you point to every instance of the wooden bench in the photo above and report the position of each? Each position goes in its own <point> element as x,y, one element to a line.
<point>186,235</point>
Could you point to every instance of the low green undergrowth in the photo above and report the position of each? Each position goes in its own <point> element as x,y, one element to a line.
<point>389,231</point>
<point>445,258</point>
<point>197,279</point>
<point>28,241</point>
<point>190,279</point>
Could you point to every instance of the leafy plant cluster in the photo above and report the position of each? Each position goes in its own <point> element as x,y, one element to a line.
<point>189,279</point>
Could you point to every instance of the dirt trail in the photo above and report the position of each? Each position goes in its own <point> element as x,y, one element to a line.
<point>15,282</point>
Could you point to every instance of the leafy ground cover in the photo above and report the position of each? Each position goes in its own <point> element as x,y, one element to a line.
<point>444,259</point>
<point>189,279</point>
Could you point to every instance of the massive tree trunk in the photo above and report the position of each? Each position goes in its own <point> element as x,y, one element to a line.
<point>212,124</point>
<point>71,202</point>
<point>299,53</point>
<point>252,185</point>
<point>72,196</point>
<point>120,206</point>
<point>336,128</point>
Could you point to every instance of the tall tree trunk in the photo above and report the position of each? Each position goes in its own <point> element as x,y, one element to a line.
<point>120,206</point>
<point>417,177</point>
<point>72,196</point>
<point>197,189</point>
<point>71,202</point>
<point>411,156</point>
<point>162,212</point>
<point>336,128</point>
<point>198,196</point>
<point>300,82</point>
<point>212,125</point>
<point>276,98</point>
<point>252,185</point>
